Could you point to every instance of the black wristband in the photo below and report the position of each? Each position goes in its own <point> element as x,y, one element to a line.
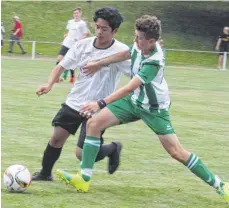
<point>102,104</point>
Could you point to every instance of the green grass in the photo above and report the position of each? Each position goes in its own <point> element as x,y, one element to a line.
<point>147,177</point>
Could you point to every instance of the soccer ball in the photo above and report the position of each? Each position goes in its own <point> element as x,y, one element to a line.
<point>17,178</point>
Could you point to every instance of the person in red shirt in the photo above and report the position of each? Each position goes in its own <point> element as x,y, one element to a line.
<point>16,36</point>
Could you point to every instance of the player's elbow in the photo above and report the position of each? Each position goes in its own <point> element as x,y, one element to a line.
<point>128,89</point>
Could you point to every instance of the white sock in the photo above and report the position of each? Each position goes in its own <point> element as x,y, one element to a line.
<point>217,182</point>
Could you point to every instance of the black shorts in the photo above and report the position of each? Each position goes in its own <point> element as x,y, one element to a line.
<point>223,49</point>
<point>63,50</point>
<point>70,120</point>
<point>82,135</point>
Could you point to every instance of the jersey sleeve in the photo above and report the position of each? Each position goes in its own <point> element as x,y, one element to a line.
<point>71,58</point>
<point>148,71</point>
<point>68,25</point>
<point>124,67</point>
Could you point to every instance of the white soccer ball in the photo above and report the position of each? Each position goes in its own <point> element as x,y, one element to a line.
<point>17,178</point>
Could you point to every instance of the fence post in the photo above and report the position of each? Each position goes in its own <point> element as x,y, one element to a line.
<point>224,61</point>
<point>33,50</point>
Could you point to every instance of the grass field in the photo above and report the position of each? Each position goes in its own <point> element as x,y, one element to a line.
<point>147,176</point>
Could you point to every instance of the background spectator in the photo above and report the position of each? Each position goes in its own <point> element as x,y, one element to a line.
<point>16,36</point>
<point>2,34</point>
<point>222,46</point>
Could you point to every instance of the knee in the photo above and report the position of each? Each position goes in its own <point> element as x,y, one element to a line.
<point>93,125</point>
<point>78,153</point>
<point>56,142</point>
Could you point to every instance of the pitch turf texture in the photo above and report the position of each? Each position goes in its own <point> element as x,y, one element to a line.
<point>147,176</point>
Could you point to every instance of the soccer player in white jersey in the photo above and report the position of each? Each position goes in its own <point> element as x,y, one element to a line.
<point>77,30</point>
<point>145,97</point>
<point>86,88</point>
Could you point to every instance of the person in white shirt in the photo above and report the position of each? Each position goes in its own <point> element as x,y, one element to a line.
<point>77,30</point>
<point>2,34</point>
<point>87,88</point>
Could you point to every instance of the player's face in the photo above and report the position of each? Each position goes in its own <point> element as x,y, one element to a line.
<point>103,31</point>
<point>226,30</point>
<point>76,14</point>
<point>142,42</point>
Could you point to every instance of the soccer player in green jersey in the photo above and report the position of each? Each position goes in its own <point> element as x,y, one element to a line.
<point>145,97</point>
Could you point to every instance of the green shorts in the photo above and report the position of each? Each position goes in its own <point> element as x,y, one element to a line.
<point>157,120</point>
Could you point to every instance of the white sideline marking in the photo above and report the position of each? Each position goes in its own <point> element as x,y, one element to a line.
<point>126,172</point>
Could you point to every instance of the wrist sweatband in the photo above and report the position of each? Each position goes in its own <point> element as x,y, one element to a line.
<point>102,104</point>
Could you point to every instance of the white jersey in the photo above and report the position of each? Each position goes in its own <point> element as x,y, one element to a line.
<point>2,31</point>
<point>76,31</point>
<point>102,83</point>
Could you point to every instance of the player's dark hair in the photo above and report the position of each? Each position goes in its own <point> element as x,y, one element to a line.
<point>150,25</point>
<point>111,15</point>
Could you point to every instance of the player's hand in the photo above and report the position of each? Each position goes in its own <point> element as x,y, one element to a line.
<point>89,109</point>
<point>91,67</point>
<point>43,89</point>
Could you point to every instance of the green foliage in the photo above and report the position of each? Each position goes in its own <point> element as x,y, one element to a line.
<point>185,25</point>
<point>147,177</point>
<point>197,23</point>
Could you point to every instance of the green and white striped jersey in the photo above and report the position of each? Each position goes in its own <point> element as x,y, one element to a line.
<point>153,93</point>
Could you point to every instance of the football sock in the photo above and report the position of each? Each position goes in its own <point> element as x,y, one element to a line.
<point>65,74</point>
<point>50,156</point>
<point>105,150</point>
<point>199,169</point>
<point>90,150</point>
<point>72,72</point>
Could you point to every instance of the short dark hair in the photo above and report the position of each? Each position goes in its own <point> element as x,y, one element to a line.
<point>77,8</point>
<point>150,25</point>
<point>111,15</point>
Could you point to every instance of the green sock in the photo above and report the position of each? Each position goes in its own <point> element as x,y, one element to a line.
<point>90,150</point>
<point>65,74</point>
<point>200,170</point>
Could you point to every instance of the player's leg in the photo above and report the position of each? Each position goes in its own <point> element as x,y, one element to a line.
<point>21,46</point>
<point>220,61</point>
<point>60,56</point>
<point>159,122</point>
<point>172,145</point>
<point>111,150</point>
<point>90,150</point>
<point>10,50</point>
<point>66,122</point>
<point>121,111</point>
<point>72,78</point>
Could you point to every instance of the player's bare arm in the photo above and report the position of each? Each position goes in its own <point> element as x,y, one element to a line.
<point>218,44</point>
<point>93,107</point>
<point>54,75</point>
<point>94,66</point>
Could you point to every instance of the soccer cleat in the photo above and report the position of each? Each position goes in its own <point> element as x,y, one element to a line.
<point>114,158</point>
<point>38,176</point>
<point>223,190</point>
<point>72,80</point>
<point>75,180</point>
